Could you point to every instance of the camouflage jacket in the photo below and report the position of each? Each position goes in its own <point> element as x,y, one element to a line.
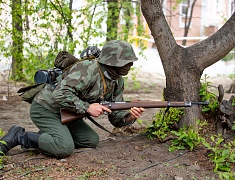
<point>82,85</point>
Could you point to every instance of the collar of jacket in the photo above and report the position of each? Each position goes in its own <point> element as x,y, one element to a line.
<point>105,72</point>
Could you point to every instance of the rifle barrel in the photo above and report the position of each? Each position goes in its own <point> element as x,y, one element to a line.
<point>149,104</point>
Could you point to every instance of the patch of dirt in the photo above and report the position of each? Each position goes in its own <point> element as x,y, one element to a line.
<point>128,156</point>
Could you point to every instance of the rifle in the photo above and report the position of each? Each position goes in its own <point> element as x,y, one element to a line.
<point>68,116</point>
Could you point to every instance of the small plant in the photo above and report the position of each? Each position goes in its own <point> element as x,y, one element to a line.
<point>233,127</point>
<point>233,102</point>
<point>3,142</point>
<point>227,175</point>
<point>208,96</point>
<point>187,137</point>
<point>223,156</point>
<point>163,123</point>
<point>141,121</point>
<point>232,77</point>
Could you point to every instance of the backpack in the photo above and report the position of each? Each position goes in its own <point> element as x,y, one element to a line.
<point>63,61</point>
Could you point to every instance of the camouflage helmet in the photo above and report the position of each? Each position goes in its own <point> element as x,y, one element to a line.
<point>117,53</point>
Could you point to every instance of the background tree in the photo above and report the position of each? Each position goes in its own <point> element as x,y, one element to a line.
<point>112,19</point>
<point>17,41</point>
<point>35,34</point>
<point>43,28</point>
<point>183,67</point>
<point>188,18</point>
<point>65,12</point>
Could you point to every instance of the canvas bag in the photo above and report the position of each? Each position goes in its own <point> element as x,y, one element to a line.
<point>43,77</point>
<point>29,92</point>
<point>63,61</point>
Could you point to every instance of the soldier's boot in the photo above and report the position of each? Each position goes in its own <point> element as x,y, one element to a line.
<point>18,136</point>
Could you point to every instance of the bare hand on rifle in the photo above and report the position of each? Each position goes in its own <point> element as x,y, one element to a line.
<point>97,109</point>
<point>135,113</point>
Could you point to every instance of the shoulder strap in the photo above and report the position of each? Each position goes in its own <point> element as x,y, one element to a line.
<point>100,126</point>
<point>103,79</point>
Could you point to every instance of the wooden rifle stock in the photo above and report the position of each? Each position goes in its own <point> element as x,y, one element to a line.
<point>68,116</point>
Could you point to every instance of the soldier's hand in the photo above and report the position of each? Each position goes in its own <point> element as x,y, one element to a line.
<point>135,113</point>
<point>97,109</point>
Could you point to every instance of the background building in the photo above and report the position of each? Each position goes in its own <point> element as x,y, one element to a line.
<point>207,17</point>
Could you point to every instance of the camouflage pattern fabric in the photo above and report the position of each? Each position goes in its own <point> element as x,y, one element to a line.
<point>117,53</point>
<point>81,86</point>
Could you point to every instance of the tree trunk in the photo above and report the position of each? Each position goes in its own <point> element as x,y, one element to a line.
<point>69,27</point>
<point>17,41</point>
<point>183,67</point>
<point>127,15</point>
<point>112,20</point>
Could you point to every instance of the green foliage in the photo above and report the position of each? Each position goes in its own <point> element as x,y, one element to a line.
<point>187,137</point>
<point>233,127</point>
<point>223,156</point>
<point>228,57</point>
<point>134,72</point>
<point>232,76</point>
<point>206,95</point>
<point>227,175</point>
<point>52,26</point>
<point>162,123</point>
<point>2,154</point>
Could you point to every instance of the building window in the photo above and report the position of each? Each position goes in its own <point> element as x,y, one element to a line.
<point>232,6</point>
<point>185,11</point>
<point>184,7</point>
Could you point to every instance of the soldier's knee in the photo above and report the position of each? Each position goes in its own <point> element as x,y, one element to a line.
<point>56,147</point>
<point>62,151</point>
<point>94,141</point>
<point>90,141</point>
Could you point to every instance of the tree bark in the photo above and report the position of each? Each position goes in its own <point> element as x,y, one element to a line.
<point>17,41</point>
<point>69,27</point>
<point>183,67</point>
<point>112,20</point>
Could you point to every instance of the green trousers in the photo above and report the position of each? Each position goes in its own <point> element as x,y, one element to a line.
<point>61,140</point>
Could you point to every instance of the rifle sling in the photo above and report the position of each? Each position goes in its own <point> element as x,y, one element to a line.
<point>103,128</point>
<point>100,126</point>
<point>103,79</point>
